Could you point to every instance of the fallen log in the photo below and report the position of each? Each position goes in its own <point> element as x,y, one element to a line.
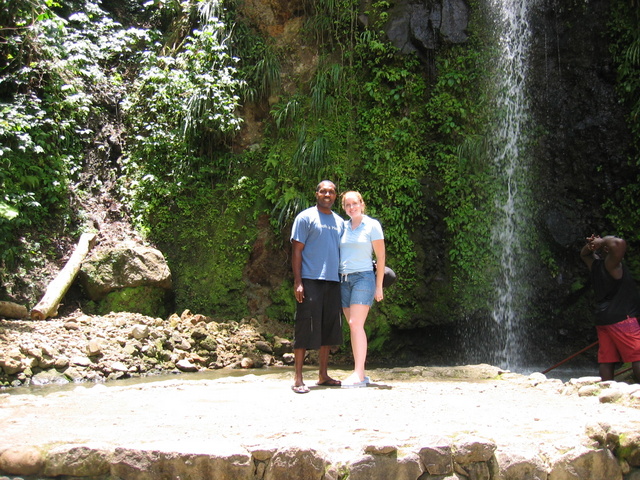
<point>48,306</point>
<point>13,310</point>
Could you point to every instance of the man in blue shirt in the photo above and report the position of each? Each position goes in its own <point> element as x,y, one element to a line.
<point>315,239</point>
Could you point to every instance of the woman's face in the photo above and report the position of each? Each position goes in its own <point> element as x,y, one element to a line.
<point>352,205</point>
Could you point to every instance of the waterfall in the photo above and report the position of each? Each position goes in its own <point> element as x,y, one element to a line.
<point>510,162</point>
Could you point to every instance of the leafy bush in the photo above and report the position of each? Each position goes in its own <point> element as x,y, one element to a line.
<point>624,210</point>
<point>57,73</point>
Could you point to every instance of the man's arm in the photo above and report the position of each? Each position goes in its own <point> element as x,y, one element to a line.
<point>614,249</point>
<point>296,267</point>
<point>586,254</point>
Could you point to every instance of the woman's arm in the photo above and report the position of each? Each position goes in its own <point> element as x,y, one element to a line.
<point>379,250</point>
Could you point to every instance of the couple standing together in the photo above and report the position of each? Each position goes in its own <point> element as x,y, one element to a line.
<point>333,270</point>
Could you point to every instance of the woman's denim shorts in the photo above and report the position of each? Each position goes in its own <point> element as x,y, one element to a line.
<point>357,288</point>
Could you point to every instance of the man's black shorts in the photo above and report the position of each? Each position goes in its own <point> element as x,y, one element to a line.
<point>319,316</point>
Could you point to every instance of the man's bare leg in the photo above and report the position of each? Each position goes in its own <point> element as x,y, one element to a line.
<point>323,371</point>
<point>606,371</point>
<point>298,355</point>
<point>635,366</point>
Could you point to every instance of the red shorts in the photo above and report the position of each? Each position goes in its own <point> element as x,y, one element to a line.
<point>619,342</point>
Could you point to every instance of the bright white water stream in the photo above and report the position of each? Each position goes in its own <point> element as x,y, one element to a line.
<point>510,159</point>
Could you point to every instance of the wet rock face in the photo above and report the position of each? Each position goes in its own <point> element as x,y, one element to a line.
<point>580,145</point>
<point>584,141</point>
<point>419,26</point>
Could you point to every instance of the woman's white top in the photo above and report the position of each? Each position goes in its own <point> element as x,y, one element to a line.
<point>356,250</point>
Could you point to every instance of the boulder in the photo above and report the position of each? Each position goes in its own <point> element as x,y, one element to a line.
<point>383,466</point>
<point>295,463</point>
<point>520,465</point>
<point>471,449</point>
<point>49,377</point>
<point>124,267</point>
<point>135,464</point>
<point>586,464</point>
<point>437,459</point>
<point>77,461</point>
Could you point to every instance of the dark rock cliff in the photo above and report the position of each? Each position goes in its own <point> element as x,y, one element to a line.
<point>582,146</point>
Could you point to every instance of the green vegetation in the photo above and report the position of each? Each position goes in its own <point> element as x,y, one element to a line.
<point>179,78</point>
<point>364,116</point>
<point>624,210</point>
<point>59,66</point>
<point>145,300</point>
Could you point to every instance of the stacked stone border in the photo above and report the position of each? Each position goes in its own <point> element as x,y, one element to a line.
<point>611,454</point>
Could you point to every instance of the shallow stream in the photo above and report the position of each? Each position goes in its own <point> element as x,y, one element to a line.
<point>564,373</point>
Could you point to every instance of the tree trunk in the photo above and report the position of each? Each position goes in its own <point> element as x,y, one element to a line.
<point>13,310</point>
<point>48,306</point>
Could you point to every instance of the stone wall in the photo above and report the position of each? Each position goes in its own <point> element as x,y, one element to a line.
<point>466,458</point>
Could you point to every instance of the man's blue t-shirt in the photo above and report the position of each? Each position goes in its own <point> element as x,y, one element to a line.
<point>355,245</point>
<point>320,233</point>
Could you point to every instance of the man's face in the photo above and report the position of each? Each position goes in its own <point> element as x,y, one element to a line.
<point>326,195</point>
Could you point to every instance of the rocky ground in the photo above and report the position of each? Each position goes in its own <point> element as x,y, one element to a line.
<point>456,423</point>
<point>113,415</point>
<point>81,347</point>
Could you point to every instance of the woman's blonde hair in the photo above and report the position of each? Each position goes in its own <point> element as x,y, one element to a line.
<point>358,196</point>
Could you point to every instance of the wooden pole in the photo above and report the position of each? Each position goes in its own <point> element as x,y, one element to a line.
<point>572,356</point>
<point>48,306</point>
<point>620,372</point>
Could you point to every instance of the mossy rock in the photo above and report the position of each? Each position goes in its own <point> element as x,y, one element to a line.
<point>147,300</point>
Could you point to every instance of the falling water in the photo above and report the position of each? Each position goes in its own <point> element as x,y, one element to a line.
<point>510,161</point>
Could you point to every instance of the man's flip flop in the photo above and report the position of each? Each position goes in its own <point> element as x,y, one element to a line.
<point>329,383</point>
<point>300,388</point>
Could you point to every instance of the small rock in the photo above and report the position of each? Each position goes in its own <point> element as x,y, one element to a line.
<point>81,361</point>
<point>288,358</point>
<point>130,349</point>
<point>264,346</point>
<point>46,362</point>
<point>94,347</point>
<point>140,331</point>
<point>119,367</point>
<point>380,449</point>
<point>610,395</point>
<point>583,381</point>
<point>246,362</point>
<point>21,461</point>
<point>60,363</point>
<point>11,366</point>
<point>186,366</point>
<point>589,390</point>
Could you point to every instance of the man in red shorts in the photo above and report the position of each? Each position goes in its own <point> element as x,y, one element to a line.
<point>617,304</point>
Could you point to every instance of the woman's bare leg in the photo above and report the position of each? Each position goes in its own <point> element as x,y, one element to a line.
<point>356,316</point>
